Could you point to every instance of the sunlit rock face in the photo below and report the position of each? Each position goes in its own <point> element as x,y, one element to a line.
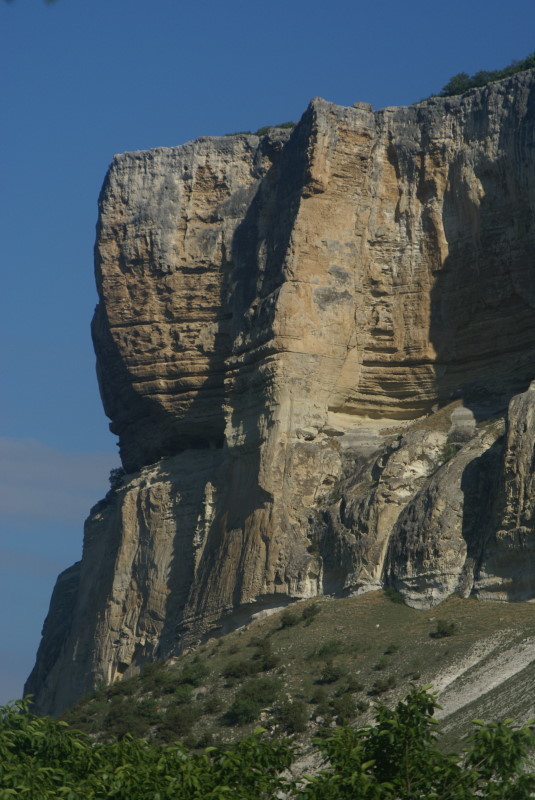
<point>307,343</point>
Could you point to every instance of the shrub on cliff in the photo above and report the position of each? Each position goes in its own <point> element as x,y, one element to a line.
<point>462,82</point>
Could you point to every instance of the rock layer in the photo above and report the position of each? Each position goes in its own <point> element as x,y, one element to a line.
<point>274,312</point>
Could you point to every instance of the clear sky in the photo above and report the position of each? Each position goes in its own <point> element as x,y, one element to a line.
<point>84,79</point>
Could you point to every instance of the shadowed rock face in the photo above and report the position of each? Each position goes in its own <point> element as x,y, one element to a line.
<point>276,317</point>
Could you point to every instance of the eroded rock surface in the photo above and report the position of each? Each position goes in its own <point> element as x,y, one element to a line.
<point>277,316</point>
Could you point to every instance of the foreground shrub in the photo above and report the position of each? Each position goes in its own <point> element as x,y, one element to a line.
<point>397,758</point>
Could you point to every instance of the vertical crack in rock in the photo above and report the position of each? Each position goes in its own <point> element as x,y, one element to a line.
<point>285,326</point>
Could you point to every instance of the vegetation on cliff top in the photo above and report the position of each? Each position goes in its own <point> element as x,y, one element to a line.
<point>462,82</point>
<point>262,131</point>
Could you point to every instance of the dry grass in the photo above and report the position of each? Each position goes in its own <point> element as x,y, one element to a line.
<point>350,637</point>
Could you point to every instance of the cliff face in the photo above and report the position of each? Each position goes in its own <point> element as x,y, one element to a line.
<point>296,337</point>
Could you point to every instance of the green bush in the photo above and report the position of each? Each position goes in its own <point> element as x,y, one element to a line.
<point>382,685</point>
<point>330,648</point>
<point>117,475</point>
<point>242,711</point>
<point>180,719</point>
<point>448,451</point>
<point>394,596</point>
<point>154,675</point>
<point>462,82</point>
<point>250,699</point>
<point>309,613</point>
<point>239,669</point>
<point>344,707</point>
<point>293,717</point>
<point>443,629</point>
<point>264,690</point>
<point>213,704</point>
<point>289,619</point>
<point>183,693</point>
<point>331,673</point>
<point>194,674</point>
<point>319,695</point>
<point>396,758</point>
<point>267,128</point>
<point>264,655</point>
<point>132,718</point>
<point>352,684</point>
<point>124,688</point>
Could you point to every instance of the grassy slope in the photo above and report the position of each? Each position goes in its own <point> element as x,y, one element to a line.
<point>362,645</point>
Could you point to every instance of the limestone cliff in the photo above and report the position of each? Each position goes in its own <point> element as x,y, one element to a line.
<point>307,343</point>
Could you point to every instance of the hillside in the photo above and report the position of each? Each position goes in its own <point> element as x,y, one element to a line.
<point>326,661</point>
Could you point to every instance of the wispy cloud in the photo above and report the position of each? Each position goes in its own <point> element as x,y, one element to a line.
<point>38,482</point>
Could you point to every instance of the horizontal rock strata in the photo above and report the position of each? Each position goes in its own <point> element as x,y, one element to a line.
<point>277,316</point>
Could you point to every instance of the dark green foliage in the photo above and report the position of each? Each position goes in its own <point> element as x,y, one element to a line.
<point>350,685</point>
<point>382,685</point>
<point>206,740</point>
<point>178,721</point>
<point>391,649</point>
<point>130,717</point>
<point>319,695</point>
<point>250,699</point>
<point>239,669</point>
<point>293,717</point>
<point>267,128</point>
<point>264,690</point>
<point>289,619</point>
<point>309,612</point>
<point>194,674</point>
<point>344,707</point>
<point>394,595</point>
<point>264,656</point>
<point>462,82</point>
<point>213,704</point>
<point>242,711</point>
<point>121,688</point>
<point>328,649</point>
<point>117,475</point>
<point>240,133</point>
<point>331,673</point>
<point>448,451</point>
<point>183,693</point>
<point>397,758</point>
<point>262,131</point>
<point>443,629</point>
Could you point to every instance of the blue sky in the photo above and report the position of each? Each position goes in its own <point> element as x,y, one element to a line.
<point>84,79</point>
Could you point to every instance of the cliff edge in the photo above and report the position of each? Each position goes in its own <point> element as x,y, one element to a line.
<point>316,349</point>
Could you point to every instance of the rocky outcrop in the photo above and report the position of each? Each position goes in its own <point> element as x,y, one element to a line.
<point>285,327</point>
